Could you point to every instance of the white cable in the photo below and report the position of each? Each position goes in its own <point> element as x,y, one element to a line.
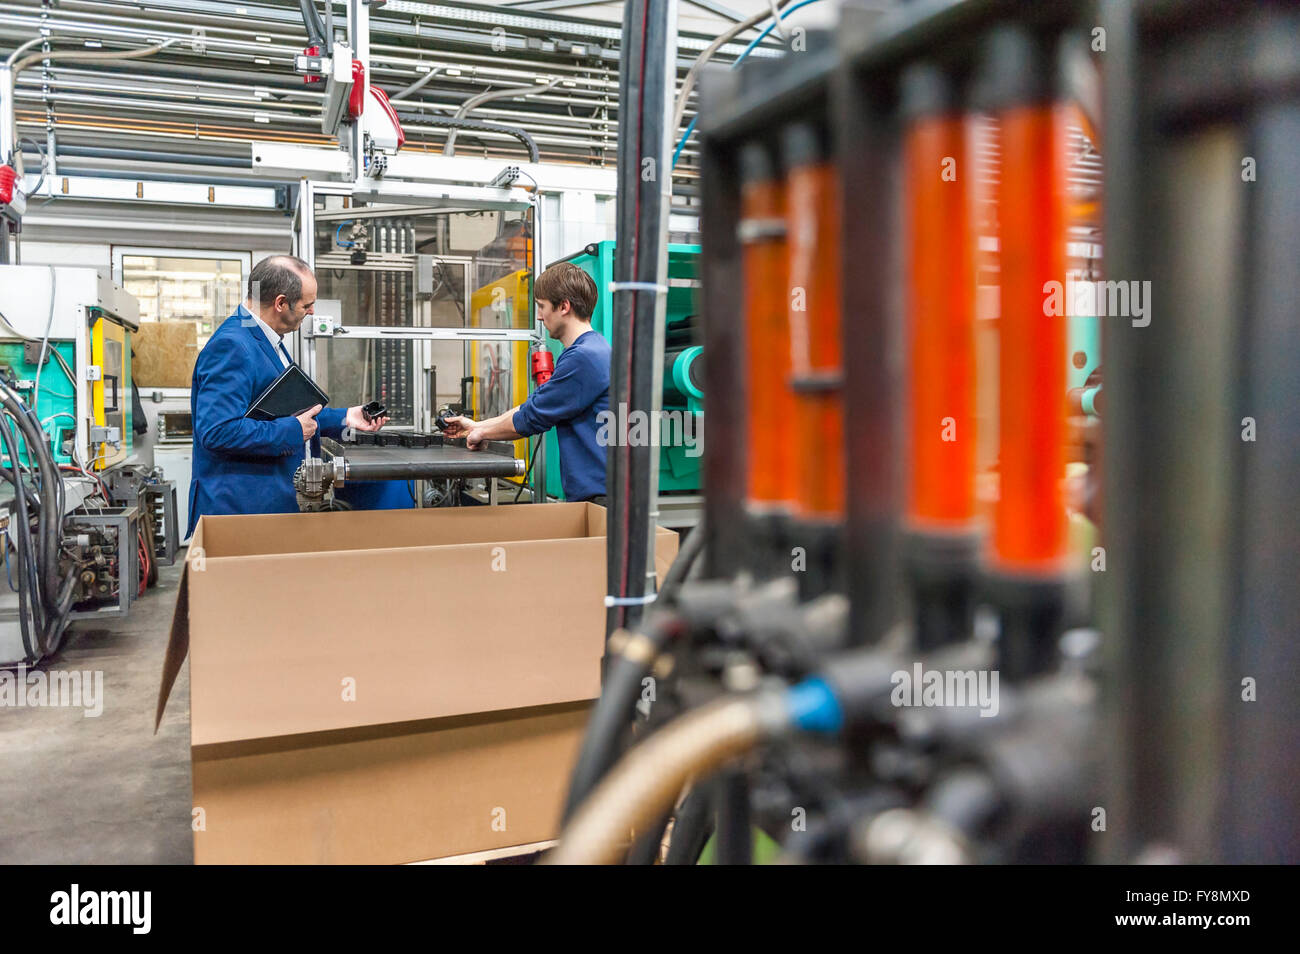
<point>688,83</point>
<point>49,323</point>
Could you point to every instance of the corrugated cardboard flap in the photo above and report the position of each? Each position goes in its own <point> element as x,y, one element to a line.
<point>178,642</point>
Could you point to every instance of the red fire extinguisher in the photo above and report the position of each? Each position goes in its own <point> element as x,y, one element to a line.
<point>543,366</point>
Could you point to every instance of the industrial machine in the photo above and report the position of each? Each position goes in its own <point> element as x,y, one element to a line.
<point>681,430</point>
<point>395,268</point>
<point>92,546</point>
<point>68,331</point>
<point>886,645</point>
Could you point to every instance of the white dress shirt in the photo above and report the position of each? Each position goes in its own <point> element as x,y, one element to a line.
<point>277,341</point>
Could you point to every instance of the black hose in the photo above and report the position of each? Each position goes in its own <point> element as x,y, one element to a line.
<point>692,828</point>
<point>311,20</point>
<point>643,89</point>
<point>686,559</point>
<point>735,842</point>
<point>23,538</point>
<point>646,848</point>
<point>50,523</point>
<point>600,745</point>
<point>614,708</point>
<point>56,626</point>
<point>50,611</point>
<point>416,120</point>
<point>531,460</point>
<point>42,526</point>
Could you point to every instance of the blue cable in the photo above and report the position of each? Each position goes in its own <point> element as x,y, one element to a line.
<point>740,59</point>
<point>336,235</point>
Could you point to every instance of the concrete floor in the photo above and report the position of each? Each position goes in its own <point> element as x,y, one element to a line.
<point>103,790</point>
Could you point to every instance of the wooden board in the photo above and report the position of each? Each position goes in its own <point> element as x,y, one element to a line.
<point>165,352</point>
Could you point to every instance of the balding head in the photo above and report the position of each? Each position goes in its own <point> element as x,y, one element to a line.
<point>282,292</point>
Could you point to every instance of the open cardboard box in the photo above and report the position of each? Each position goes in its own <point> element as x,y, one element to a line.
<point>388,686</point>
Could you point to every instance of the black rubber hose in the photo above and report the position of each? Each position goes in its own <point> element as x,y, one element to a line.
<point>735,841</point>
<point>686,558</point>
<point>311,20</point>
<point>23,538</point>
<point>692,828</point>
<point>57,599</point>
<point>410,119</point>
<point>646,848</point>
<point>56,626</point>
<point>33,569</point>
<point>50,523</point>
<point>600,745</point>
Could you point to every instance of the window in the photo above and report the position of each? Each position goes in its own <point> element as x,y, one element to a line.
<point>183,284</point>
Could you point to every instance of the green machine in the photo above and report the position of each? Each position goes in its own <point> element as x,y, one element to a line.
<point>682,423</point>
<point>85,323</point>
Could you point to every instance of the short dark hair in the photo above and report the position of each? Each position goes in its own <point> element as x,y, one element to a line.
<point>565,281</point>
<point>277,275</point>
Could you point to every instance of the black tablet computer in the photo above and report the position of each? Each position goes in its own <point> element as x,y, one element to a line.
<point>288,396</point>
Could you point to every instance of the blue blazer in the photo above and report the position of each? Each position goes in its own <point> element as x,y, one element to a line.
<point>242,465</point>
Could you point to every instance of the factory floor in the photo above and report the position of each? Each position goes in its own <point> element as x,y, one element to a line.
<point>103,789</point>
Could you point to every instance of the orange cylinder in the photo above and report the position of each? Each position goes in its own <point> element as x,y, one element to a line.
<point>940,309</point>
<point>816,349</point>
<point>1030,530</point>
<point>771,418</point>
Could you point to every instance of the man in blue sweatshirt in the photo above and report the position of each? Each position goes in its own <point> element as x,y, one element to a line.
<point>575,394</point>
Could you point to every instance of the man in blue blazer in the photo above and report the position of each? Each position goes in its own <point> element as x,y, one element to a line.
<point>242,465</point>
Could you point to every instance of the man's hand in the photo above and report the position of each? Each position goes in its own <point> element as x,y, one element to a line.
<point>357,421</point>
<point>308,421</point>
<point>459,427</point>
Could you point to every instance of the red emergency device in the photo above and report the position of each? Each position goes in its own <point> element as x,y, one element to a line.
<point>543,366</point>
<point>357,98</point>
<point>7,175</point>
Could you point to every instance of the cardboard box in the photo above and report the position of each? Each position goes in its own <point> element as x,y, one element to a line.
<point>388,686</point>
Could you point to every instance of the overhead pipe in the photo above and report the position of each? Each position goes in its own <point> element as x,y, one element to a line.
<point>134,155</point>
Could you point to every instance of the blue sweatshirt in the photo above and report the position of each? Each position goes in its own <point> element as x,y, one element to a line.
<point>570,401</point>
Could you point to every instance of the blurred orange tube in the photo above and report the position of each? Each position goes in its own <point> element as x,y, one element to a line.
<point>813,203</point>
<point>1030,532</point>
<point>940,313</point>
<point>771,460</point>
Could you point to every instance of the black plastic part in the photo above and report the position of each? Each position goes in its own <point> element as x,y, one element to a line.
<point>942,569</point>
<point>373,410</point>
<point>1033,616</point>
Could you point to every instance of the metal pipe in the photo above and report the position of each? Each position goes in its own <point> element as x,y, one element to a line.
<point>107,152</point>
